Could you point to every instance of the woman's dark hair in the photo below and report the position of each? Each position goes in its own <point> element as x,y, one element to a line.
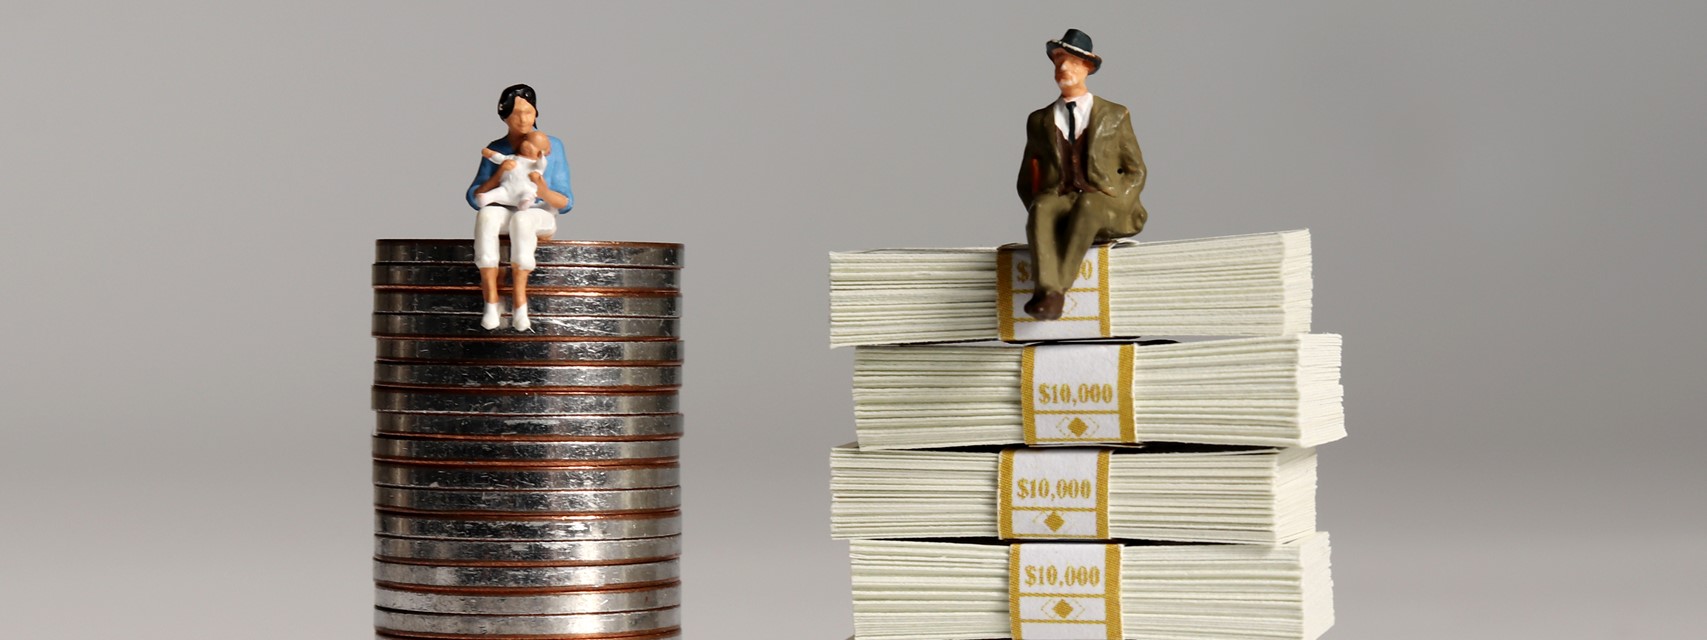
<point>507,99</point>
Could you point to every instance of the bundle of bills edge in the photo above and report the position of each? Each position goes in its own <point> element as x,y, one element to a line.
<point>911,590</point>
<point>1190,494</point>
<point>1245,285</point>
<point>1268,392</point>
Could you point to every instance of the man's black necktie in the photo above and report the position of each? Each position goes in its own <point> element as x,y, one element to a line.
<point>1072,123</point>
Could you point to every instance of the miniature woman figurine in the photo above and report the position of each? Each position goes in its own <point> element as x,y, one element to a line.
<point>1080,177</point>
<point>524,223</point>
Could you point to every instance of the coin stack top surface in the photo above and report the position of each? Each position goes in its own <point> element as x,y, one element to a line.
<point>527,483</point>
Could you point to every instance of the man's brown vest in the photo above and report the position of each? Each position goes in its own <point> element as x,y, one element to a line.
<point>1072,157</point>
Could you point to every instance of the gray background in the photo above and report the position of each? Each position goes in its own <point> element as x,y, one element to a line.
<point>1506,201</point>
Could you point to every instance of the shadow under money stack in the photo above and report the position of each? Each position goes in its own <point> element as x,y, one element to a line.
<point>526,483</point>
<point>1072,482</point>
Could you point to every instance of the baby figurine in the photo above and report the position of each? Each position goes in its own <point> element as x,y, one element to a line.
<point>515,187</point>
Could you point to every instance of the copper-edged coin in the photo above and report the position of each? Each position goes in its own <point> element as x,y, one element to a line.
<point>427,577</point>
<point>531,452</point>
<point>389,274</point>
<point>574,626</point>
<point>585,477</point>
<point>547,252</point>
<point>587,501</point>
<point>531,426</point>
<point>670,634</point>
<point>524,553</point>
<point>588,601</point>
<point>589,327</point>
<point>527,351</point>
<point>516,528</point>
<point>621,376</point>
<point>542,302</point>
<point>556,403</point>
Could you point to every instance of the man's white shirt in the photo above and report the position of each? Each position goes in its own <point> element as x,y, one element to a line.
<point>1081,115</point>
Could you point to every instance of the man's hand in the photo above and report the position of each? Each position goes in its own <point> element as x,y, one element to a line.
<point>538,180</point>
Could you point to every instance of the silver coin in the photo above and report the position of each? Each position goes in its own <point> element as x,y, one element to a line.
<point>581,252</point>
<point>560,501</point>
<point>583,478</point>
<point>526,425</point>
<point>393,448</point>
<point>545,276</point>
<point>557,627</point>
<point>536,403</point>
<point>540,303</point>
<point>527,351</point>
<point>446,324</point>
<point>603,527</point>
<point>525,552</point>
<point>527,377</point>
<point>666,424</point>
<point>526,577</point>
<point>675,634</point>
<point>591,601</point>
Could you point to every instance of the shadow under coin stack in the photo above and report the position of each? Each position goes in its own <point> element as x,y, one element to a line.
<point>526,483</point>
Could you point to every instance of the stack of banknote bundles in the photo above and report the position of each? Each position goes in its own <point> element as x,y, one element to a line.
<point>526,483</point>
<point>1087,477</point>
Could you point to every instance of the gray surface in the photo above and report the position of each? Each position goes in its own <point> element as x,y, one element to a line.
<point>1506,201</point>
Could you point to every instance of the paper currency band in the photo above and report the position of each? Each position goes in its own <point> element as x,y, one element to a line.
<point>603,477</point>
<point>1058,610</point>
<point>440,275</point>
<point>550,252</point>
<point>403,449</point>
<point>477,579</point>
<point>1018,516</point>
<point>511,528</point>
<point>603,601</point>
<point>540,303</point>
<point>622,376</point>
<point>575,626</point>
<point>591,327</point>
<point>1093,320</point>
<point>478,554</point>
<point>555,403</point>
<point>474,350</point>
<point>586,501</point>
<point>523,427</point>
<point>1116,369</point>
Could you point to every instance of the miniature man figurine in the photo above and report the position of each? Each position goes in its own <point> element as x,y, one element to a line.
<point>524,222</point>
<point>1080,178</point>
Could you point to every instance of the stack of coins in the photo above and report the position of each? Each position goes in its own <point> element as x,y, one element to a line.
<point>526,483</point>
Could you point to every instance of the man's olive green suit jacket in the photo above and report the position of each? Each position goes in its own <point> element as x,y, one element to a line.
<point>1114,164</point>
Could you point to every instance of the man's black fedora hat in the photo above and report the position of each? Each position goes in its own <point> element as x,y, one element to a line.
<point>1078,44</point>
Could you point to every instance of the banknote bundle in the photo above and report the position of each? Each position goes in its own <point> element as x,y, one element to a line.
<point>1232,286</point>
<point>1279,391</point>
<point>905,590</point>
<point>1143,467</point>
<point>526,483</point>
<point>1255,496</point>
